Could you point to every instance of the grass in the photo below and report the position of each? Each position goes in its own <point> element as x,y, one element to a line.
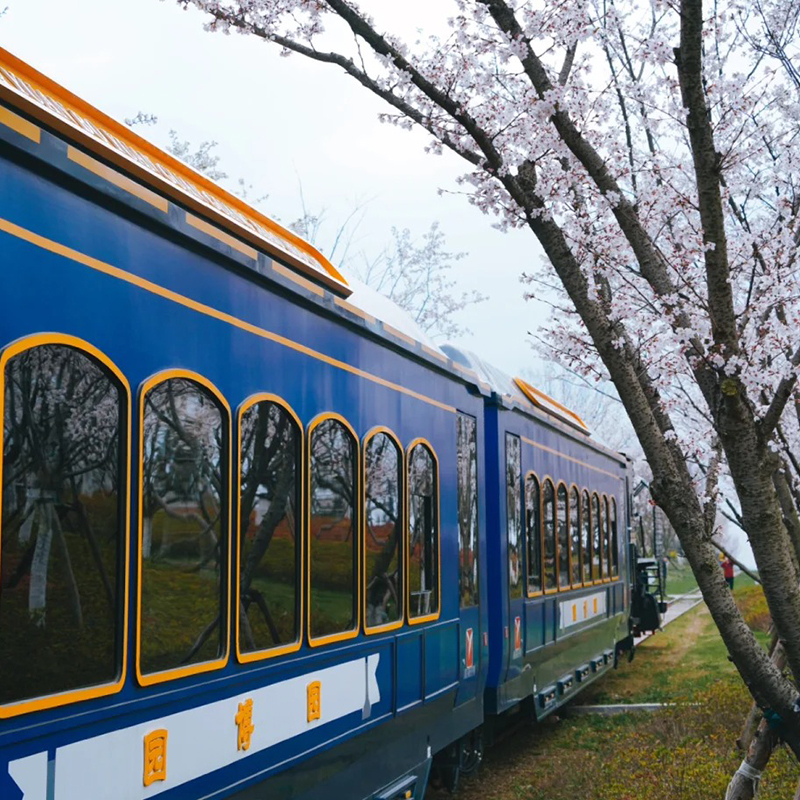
<point>684,752</point>
<point>680,580</point>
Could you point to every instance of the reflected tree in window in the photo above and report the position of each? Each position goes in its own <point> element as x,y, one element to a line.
<point>614,540</point>
<point>332,544</point>
<point>63,523</point>
<point>563,537</point>
<point>383,530</point>
<point>423,523</point>
<point>586,527</point>
<point>514,514</point>
<point>184,529</point>
<point>467,467</point>
<point>606,539</point>
<point>550,578</point>
<point>597,527</point>
<point>575,535</point>
<point>269,528</point>
<point>533,513</point>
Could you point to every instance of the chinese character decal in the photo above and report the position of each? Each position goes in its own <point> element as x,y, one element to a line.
<point>314,700</point>
<point>155,757</point>
<point>244,723</point>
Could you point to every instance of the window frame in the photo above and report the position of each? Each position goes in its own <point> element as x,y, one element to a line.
<point>437,529</point>
<point>540,591</point>
<point>69,697</point>
<point>476,551</point>
<point>615,540</point>
<point>521,539</point>
<point>563,587</point>
<point>545,480</point>
<point>292,647</point>
<point>586,511</point>
<point>595,496</point>
<point>606,538</point>
<point>575,489</point>
<point>342,636</point>
<point>152,678</point>
<point>389,626</point>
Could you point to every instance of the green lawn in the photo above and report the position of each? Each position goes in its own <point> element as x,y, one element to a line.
<point>683,752</point>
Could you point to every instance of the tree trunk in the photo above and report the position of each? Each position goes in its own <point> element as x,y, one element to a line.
<point>37,591</point>
<point>147,536</point>
<point>744,784</point>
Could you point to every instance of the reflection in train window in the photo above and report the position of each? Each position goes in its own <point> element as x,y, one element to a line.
<point>332,550</point>
<point>549,503</point>
<point>533,515</point>
<point>184,526</point>
<point>383,531</point>
<point>269,528</point>
<point>575,536</point>
<point>63,523</point>
<point>563,537</point>
<point>467,468</point>
<point>606,539</point>
<point>423,526</point>
<point>597,527</point>
<point>586,538</point>
<point>614,541</point>
<point>514,514</point>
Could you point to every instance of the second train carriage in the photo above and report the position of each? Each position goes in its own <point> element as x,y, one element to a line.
<point>254,541</point>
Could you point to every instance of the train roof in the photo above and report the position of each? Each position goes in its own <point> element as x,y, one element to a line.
<point>516,391</point>
<point>46,101</point>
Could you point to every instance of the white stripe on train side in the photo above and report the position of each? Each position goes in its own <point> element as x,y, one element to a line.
<point>573,612</point>
<point>200,740</point>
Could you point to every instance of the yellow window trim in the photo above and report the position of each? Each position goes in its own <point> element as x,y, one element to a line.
<point>573,487</point>
<point>351,633</point>
<point>292,647</point>
<point>428,617</point>
<point>389,626</point>
<point>201,308</point>
<point>103,690</point>
<point>151,678</point>
<point>528,474</point>
<point>545,480</point>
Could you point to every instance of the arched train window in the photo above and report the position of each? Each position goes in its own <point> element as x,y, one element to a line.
<point>597,527</point>
<point>533,517</point>
<point>383,532</point>
<point>423,527</point>
<point>575,536</point>
<point>562,517</point>
<point>270,530</point>
<point>183,552</point>
<point>64,524</point>
<point>550,565</point>
<point>586,537</point>
<point>332,540</point>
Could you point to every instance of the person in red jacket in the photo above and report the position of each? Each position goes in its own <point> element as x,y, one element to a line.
<point>727,571</point>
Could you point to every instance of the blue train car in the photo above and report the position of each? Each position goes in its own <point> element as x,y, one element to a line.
<point>558,569</point>
<point>254,541</point>
<point>241,551</point>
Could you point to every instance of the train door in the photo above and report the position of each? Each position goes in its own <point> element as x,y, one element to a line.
<point>469,545</point>
<point>514,629</point>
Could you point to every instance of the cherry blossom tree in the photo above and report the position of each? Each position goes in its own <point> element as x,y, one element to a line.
<point>650,148</point>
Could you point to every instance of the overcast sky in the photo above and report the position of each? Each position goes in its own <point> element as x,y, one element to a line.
<point>280,121</point>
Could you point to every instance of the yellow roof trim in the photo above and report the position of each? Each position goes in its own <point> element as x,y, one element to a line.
<point>28,90</point>
<point>550,406</point>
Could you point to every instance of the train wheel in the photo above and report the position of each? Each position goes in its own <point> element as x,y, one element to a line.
<point>460,759</point>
